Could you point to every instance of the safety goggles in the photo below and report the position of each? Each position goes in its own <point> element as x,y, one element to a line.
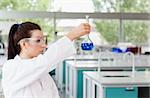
<point>34,40</point>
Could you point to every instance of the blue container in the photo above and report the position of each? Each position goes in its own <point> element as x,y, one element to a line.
<point>118,50</point>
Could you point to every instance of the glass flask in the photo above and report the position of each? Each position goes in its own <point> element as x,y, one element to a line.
<point>87,43</point>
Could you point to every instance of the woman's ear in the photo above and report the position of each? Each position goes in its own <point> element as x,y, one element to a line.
<point>23,44</point>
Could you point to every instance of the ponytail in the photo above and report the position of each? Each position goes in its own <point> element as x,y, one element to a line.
<point>18,32</point>
<point>12,49</point>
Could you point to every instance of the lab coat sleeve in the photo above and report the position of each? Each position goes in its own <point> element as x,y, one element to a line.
<point>30,71</point>
<point>57,52</point>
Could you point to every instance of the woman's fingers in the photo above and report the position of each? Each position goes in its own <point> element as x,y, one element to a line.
<point>86,28</point>
<point>79,31</point>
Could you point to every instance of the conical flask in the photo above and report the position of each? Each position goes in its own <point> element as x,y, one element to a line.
<point>87,43</point>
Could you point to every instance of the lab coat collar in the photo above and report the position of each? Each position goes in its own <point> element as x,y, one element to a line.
<point>17,57</point>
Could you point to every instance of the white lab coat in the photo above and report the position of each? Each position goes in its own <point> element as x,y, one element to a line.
<point>29,78</point>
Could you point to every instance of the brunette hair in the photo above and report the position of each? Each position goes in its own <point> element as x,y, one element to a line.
<point>18,32</point>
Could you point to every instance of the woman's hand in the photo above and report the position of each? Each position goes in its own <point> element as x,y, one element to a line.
<point>79,31</point>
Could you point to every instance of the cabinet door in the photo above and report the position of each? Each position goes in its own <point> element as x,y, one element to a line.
<point>112,92</point>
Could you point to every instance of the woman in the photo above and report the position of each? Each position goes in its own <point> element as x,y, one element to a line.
<point>25,73</point>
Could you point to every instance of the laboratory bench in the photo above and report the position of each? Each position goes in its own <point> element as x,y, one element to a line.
<point>61,68</point>
<point>74,77</point>
<point>75,69</point>
<point>115,84</point>
<point>69,74</point>
<point>110,62</point>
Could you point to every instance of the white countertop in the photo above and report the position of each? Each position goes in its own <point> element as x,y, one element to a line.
<point>82,64</point>
<point>141,79</point>
<point>118,62</point>
<point>82,57</point>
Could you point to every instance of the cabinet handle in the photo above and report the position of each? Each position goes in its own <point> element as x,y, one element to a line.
<point>129,89</point>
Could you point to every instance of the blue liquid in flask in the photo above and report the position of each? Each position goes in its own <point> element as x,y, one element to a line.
<point>87,46</point>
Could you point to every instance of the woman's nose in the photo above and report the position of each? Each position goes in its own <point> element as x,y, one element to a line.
<point>44,45</point>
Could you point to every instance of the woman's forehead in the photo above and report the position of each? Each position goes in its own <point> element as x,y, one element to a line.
<point>37,33</point>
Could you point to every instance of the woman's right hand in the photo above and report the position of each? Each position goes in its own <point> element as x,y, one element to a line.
<point>79,31</point>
